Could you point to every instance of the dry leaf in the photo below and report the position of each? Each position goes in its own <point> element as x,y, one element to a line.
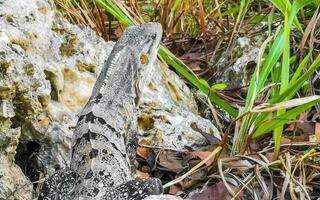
<point>170,161</point>
<point>173,190</point>
<point>143,151</point>
<point>317,131</point>
<point>202,155</point>
<point>215,192</point>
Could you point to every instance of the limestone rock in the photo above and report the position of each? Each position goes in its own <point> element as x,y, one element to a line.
<point>47,70</point>
<point>237,69</point>
<point>168,114</point>
<point>13,184</point>
<point>6,109</point>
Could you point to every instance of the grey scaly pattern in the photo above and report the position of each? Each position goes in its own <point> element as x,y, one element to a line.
<point>105,133</point>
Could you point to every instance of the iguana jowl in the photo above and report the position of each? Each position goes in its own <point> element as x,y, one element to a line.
<point>105,133</point>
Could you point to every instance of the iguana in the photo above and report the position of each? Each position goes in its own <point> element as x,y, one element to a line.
<point>105,135</point>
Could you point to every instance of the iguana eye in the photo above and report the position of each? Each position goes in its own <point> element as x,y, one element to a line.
<point>144,59</point>
<point>153,36</point>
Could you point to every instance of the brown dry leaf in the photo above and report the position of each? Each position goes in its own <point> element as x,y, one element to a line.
<point>202,15</point>
<point>211,44</point>
<point>291,127</point>
<point>202,155</point>
<point>143,151</point>
<point>254,146</point>
<point>170,161</point>
<point>195,66</point>
<point>238,163</point>
<point>192,60</point>
<point>215,192</point>
<point>307,127</point>
<point>298,138</point>
<point>285,140</point>
<point>317,131</point>
<point>303,125</point>
<point>173,190</point>
<point>118,32</point>
<point>187,184</point>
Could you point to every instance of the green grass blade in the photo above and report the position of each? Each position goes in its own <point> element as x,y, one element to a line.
<point>177,64</point>
<point>277,133</point>
<point>283,6</point>
<point>231,11</point>
<point>115,11</point>
<point>286,54</point>
<point>272,58</point>
<point>174,7</point>
<point>295,86</point>
<point>300,68</point>
<point>277,47</point>
<point>291,90</point>
<point>282,119</point>
<point>252,91</point>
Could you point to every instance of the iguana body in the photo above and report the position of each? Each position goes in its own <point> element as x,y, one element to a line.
<point>105,133</point>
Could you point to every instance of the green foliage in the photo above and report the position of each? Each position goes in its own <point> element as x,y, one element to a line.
<point>258,124</point>
<point>218,87</point>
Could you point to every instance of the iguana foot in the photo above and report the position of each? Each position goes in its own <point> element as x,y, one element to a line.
<point>59,186</point>
<point>135,190</point>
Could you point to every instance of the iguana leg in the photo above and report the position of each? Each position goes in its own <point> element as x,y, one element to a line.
<point>131,148</point>
<point>59,186</point>
<point>135,190</point>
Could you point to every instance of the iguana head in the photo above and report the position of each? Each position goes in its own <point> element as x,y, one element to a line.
<point>144,41</point>
<point>129,61</point>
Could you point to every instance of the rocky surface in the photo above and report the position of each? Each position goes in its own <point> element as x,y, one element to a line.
<point>236,69</point>
<point>47,70</point>
<point>168,116</point>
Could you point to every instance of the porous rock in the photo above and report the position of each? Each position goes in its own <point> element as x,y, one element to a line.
<point>44,81</point>
<point>168,114</point>
<point>236,68</point>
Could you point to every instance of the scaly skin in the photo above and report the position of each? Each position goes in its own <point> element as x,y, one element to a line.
<point>105,132</point>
